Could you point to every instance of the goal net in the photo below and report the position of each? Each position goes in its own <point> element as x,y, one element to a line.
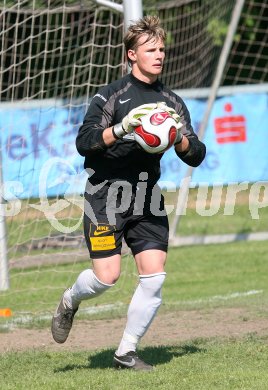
<point>230,207</point>
<point>54,57</point>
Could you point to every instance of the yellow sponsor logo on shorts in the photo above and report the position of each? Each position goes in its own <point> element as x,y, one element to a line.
<point>102,243</point>
<point>101,229</point>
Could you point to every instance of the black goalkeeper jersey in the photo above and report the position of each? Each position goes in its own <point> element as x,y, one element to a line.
<point>125,159</point>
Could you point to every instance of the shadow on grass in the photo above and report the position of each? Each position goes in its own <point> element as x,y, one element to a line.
<point>153,355</point>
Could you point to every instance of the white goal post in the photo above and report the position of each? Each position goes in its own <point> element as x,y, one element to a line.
<point>131,10</point>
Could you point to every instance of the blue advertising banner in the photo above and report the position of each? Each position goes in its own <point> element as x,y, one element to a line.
<point>40,158</point>
<point>236,139</point>
<point>38,151</point>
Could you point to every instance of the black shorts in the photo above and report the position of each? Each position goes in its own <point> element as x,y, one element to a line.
<point>114,211</point>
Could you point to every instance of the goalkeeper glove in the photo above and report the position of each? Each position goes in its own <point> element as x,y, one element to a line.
<point>132,119</point>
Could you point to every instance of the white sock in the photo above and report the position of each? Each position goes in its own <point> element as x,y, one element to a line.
<point>87,286</point>
<point>142,310</point>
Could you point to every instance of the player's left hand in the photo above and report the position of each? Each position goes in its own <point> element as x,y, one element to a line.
<point>163,106</point>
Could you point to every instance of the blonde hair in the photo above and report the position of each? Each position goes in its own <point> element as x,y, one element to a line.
<point>150,26</point>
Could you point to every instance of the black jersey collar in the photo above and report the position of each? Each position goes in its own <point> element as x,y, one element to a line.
<point>144,85</point>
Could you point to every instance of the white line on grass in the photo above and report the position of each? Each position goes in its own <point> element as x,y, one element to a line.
<point>27,318</point>
<point>218,298</point>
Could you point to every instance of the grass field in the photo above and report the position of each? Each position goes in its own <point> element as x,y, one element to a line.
<point>193,274</point>
<point>201,364</point>
<point>201,280</point>
<point>198,278</point>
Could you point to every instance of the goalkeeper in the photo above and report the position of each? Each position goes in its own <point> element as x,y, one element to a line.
<point>119,170</point>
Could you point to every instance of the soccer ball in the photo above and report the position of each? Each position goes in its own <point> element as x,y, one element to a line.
<point>157,131</point>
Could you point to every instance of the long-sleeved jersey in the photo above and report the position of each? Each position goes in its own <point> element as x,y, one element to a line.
<point>125,159</point>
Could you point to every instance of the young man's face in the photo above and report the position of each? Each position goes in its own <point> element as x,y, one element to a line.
<point>147,59</point>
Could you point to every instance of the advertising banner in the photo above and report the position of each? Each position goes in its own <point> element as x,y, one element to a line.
<point>39,154</point>
<point>236,141</point>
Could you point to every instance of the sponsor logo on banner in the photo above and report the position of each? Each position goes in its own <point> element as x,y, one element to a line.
<point>230,128</point>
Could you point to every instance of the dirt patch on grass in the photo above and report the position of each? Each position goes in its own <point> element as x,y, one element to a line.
<point>167,329</point>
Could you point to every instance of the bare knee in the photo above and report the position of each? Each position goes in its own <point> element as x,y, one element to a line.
<point>151,261</point>
<point>107,277</point>
<point>108,270</point>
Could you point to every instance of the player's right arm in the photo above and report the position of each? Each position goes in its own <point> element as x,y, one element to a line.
<point>98,132</point>
<point>96,125</point>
